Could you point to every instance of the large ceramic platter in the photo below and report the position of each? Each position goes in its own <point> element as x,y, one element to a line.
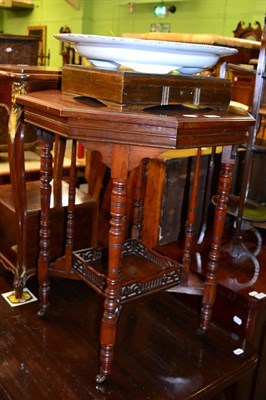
<point>148,56</point>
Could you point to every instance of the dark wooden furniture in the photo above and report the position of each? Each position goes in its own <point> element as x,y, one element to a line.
<point>20,216</point>
<point>242,203</point>
<point>164,172</point>
<point>243,86</point>
<point>247,49</point>
<point>248,32</point>
<point>32,166</point>
<point>246,315</point>
<point>243,83</point>
<point>241,292</point>
<point>122,90</point>
<point>20,199</point>
<point>165,209</point>
<point>152,361</point>
<point>15,80</point>
<point>124,139</point>
<point>19,49</point>
<point>19,79</point>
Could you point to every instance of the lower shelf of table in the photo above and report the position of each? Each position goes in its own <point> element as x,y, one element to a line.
<point>143,271</point>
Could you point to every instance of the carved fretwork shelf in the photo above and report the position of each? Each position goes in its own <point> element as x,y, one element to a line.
<point>144,270</point>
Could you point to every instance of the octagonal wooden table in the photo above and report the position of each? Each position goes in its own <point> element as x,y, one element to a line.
<point>124,138</point>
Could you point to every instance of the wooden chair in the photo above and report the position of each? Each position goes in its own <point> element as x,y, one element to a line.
<point>20,214</point>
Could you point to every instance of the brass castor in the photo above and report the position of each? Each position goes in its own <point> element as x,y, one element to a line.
<point>42,311</point>
<point>100,378</point>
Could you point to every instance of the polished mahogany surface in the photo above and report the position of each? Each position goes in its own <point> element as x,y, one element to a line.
<point>235,308</point>
<point>161,127</point>
<point>158,353</point>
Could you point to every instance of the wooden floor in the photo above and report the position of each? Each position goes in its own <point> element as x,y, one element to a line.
<point>159,355</point>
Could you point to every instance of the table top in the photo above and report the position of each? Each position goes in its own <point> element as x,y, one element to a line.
<point>165,127</point>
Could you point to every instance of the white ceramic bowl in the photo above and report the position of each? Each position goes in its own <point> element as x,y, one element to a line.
<point>147,56</point>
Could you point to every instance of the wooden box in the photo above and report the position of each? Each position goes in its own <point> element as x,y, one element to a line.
<point>121,89</point>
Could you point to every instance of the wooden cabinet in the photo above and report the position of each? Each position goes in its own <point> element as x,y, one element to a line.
<point>18,50</point>
<point>242,87</point>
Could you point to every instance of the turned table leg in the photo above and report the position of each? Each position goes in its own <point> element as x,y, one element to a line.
<point>136,232</point>
<point>112,304</point>
<point>46,143</point>
<point>16,131</point>
<point>224,186</point>
<point>17,172</point>
<point>190,223</point>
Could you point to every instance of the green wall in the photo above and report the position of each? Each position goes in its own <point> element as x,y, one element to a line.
<point>195,16</point>
<point>112,17</point>
<point>1,22</point>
